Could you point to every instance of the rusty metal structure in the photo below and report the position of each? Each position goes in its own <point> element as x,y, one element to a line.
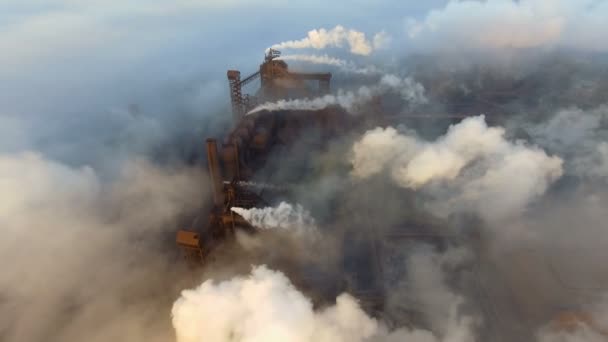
<point>234,160</point>
<point>275,82</point>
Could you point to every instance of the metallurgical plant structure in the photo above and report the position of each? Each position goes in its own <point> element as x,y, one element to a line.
<point>247,169</point>
<point>276,81</point>
<point>233,161</point>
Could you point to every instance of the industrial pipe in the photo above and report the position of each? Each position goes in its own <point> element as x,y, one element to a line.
<point>215,175</point>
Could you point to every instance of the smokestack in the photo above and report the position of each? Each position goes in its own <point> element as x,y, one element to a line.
<point>214,172</point>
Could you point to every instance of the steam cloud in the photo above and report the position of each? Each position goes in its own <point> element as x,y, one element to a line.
<point>409,90</point>
<point>470,168</point>
<point>284,216</point>
<point>336,37</point>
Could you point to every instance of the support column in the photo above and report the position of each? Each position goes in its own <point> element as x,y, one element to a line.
<point>217,182</point>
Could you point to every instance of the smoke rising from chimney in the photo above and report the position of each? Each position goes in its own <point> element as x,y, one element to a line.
<point>343,65</point>
<point>338,36</point>
<point>410,91</point>
<point>284,216</point>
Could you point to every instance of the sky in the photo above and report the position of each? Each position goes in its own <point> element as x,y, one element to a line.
<point>71,70</point>
<point>81,64</point>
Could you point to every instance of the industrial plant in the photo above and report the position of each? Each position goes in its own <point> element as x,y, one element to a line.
<point>301,171</point>
<point>251,167</point>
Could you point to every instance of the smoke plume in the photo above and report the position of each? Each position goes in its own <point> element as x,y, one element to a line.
<point>410,91</point>
<point>343,65</point>
<point>284,216</point>
<point>336,37</point>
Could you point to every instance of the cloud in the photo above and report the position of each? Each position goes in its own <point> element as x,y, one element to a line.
<point>468,168</point>
<point>499,24</point>
<point>381,40</point>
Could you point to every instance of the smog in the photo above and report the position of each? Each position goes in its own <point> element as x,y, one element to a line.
<point>296,171</point>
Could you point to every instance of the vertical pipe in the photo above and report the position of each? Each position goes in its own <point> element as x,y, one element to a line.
<point>237,162</point>
<point>217,185</point>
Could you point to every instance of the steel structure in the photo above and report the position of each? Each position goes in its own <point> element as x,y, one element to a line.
<point>272,71</point>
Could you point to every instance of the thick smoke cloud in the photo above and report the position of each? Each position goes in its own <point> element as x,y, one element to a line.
<point>410,91</point>
<point>469,168</point>
<point>265,306</point>
<point>338,36</point>
<point>502,24</point>
<point>85,255</point>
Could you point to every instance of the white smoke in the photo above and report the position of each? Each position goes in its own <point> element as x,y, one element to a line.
<point>284,216</point>
<point>469,168</point>
<point>513,24</point>
<point>343,65</point>
<point>409,90</point>
<point>336,37</point>
<point>266,307</point>
<point>316,59</point>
